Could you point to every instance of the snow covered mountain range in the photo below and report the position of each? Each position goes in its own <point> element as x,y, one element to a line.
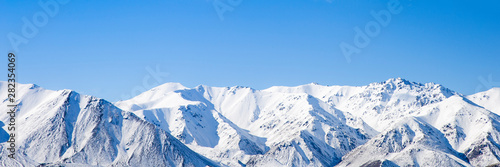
<point>391,123</point>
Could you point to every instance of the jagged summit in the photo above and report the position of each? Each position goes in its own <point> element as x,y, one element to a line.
<point>399,80</point>
<point>403,83</point>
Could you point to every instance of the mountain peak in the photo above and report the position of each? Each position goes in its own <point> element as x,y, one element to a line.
<point>400,83</point>
<point>395,83</point>
<point>399,80</point>
<point>169,86</point>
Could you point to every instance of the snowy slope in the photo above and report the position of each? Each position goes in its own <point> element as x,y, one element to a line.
<point>469,128</point>
<point>302,119</point>
<point>379,105</point>
<point>278,119</point>
<point>64,127</point>
<point>410,142</point>
<point>390,123</point>
<point>315,125</point>
<point>194,121</point>
<point>382,104</point>
<point>489,99</point>
<point>461,125</point>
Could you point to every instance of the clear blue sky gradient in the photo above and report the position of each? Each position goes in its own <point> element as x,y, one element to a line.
<point>102,48</point>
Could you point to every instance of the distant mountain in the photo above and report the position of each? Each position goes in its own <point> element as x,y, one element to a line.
<point>390,123</point>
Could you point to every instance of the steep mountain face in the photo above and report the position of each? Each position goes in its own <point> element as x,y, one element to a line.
<point>382,104</point>
<point>391,123</point>
<point>469,128</point>
<point>314,125</point>
<point>194,121</point>
<point>221,123</point>
<point>409,142</point>
<point>66,128</point>
<point>379,105</point>
<point>309,125</point>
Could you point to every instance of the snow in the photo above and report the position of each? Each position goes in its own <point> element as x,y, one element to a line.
<point>489,99</point>
<point>392,123</point>
<point>69,129</point>
<point>340,118</point>
<point>410,142</point>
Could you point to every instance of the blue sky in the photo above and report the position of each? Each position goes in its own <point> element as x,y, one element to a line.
<point>104,48</point>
